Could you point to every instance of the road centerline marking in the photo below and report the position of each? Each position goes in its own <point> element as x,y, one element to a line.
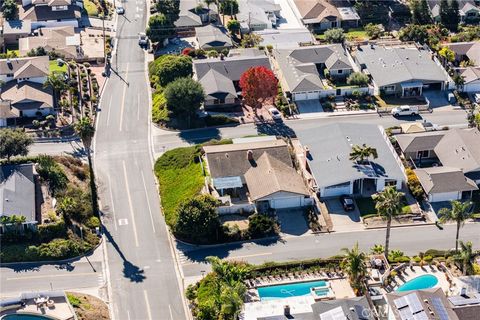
<point>53,276</point>
<point>129,198</point>
<point>148,201</point>
<point>123,97</point>
<point>109,109</point>
<point>112,206</point>
<point>149,313</point>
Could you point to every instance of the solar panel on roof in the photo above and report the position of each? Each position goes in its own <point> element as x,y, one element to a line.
<point>414,303</point>
<point>440,309</point>
<point>420,316</point>
<point>400,302</point>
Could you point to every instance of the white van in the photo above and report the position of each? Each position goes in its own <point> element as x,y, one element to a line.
<point>404,111</point>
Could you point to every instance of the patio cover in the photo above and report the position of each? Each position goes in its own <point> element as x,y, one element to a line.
<point>227,183</point>
<point>412,84</point>
<point>412,127</point>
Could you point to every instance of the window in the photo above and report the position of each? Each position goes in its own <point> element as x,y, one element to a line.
<point>340,71</point>
<point>390,183</point>
<point>389,88</point>
<point>423,154</point>
<point>59,8</point>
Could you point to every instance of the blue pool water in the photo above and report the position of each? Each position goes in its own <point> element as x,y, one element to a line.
<point>25,317</point>
<point>288,290</point>
<point>422,282</point>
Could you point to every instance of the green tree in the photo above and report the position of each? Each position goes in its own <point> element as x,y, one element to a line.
<point>414,32</point>
<point>58,84</point>
<point>170,9</point>
<point>447,53</point>
<point>259,225</point>
<point>476,119</point>
<point>184,97</point>
<point>9,9</point>
<point>373,30</point>
<point>233,26</point>
<point>420,12</point>
<point>171,67</point>
<point>362,153</point>
<point>15,220</point>
<point>465,257</point>
<point>388,204</point>
<point>159,27</point>
<point>454,15</point>
<point>229,7</point>
<point>377,249</point>
<point>229,272</point>
<point>52,174</point>
<point>458,213</point>
<point>444,12</point>
<point>334,35</point>
<point>14,142</point>
<point>231,298</point>
<point>85,130</point>
<point>251,40</point>
<point>197,219</point>
<point>459,81</point>
<point>354,264</point>
<point>357,79</point>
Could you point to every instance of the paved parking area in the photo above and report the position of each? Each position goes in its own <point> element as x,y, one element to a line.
<point>438,99</point>
<point>342,220</point>
<point>309,106</point>
<point>292,222</point>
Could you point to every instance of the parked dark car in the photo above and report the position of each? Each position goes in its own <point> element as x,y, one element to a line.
<point>347,203</point>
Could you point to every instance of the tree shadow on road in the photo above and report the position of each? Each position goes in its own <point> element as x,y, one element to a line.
<point>130,271</point>
<point>275,129</point>
<point>200,135</point>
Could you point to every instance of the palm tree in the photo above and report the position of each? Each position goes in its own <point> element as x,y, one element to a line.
<point>360,153</point>
<point>231,300</point>
<point>459,81</point>
<point>85,130</point>
<point>229,272</point>
<point>465,257</point>
<point>459,213</point>
<point>354,264</point>
<point>377,249</point>
<point>388,204</point>
<point>208,3</point>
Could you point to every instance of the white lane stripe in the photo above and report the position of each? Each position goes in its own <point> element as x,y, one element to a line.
<point>112,205</point>
<point>147,304</point>
<point>109,110</point>
<point>171,314</point>
<point>138,107</point>
<point>130,204</point>
<point>123,97</point>
<point>148,201</point>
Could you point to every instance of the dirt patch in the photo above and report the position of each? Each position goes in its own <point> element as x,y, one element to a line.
<point>397,221</point>
<point>76,170</point>
<point>233,219</point>
<point>88,307</point>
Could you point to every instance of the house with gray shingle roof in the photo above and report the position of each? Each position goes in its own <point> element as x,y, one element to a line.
<point>212,37</point>
<point>456,155</point>
<point>334,174</point>
<point>403,70</point>
<point>320,15</point>
<point>255,15</point>
<point>50,13</point>
<point>467,52</point>
<point>467,9</point>
<point>220,77</point>
<point>17,192</point>
<point>301,70</point>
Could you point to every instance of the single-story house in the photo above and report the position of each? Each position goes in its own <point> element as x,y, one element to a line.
<point>328,149</point>
<point>466,305</point>
<point>401,70</point>
<point>194,14</point>
<point>471,77</point>
<point>456,150</point>
<point>13,30</point>
<point>257,15</point>
<point>220,77</point>
<point>301,70</point>
<point>34,69</point>
<point>318,15</point>
<point>212,37</point>
<point>29,99</point>
<point>17,193</point>
<point>468,51</point>
<point>427,304</point>
<point>8,115</point>
<point>445,183</point>
<point>261,170</point>
<point>61,40</point>
<point>53,13</point>
<point>285,38</point>
<point>467,9</point>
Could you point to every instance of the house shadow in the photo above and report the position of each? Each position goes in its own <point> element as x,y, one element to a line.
<point>200,135</point>
<point>130,271</point>
<point>275,129</point>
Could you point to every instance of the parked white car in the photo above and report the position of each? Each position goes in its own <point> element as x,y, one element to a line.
<point>120,10</point>
<point>276,115</point>
<point>405,111</point>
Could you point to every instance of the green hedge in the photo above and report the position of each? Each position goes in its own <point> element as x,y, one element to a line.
<point>219,120</point>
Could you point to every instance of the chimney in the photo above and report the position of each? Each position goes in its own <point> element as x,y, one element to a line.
<point>286,311</point>
<point>250,155</point>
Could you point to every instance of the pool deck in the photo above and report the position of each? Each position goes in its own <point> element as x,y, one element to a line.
<point>61,309</point>
<point>417,271</point>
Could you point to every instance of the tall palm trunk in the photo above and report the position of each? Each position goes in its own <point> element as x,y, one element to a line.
<point>387,237</point>
<point>457,236</point>
<point>93,187</point>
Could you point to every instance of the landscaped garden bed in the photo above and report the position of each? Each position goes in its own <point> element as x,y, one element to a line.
<point>88,307</point>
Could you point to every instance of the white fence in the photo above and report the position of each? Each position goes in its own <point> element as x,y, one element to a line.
<point>347,91</point>
<point>236,209</point>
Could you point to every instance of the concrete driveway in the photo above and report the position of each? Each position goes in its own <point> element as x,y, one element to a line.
<point>343,220</point>
<point>438,99</point>
<point>292,222</point>
<point>309,106</point>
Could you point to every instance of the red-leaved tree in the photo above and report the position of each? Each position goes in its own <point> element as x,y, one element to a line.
<point>258,84</point>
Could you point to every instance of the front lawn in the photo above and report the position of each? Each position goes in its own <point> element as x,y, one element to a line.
<point>54,67</point>
<point>366,206</point>
<point>356,34</point>
<point>179,173</point>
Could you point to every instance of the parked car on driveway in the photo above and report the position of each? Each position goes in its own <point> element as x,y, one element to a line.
<point>347,203</point>
<point>404,111</point>
<point>120,10</point>
<point>276,115</point>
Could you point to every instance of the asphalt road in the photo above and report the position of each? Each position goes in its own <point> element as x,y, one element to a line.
<point>140,260</point>
<point>410,240</point>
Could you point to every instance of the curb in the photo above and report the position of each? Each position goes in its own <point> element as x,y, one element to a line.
<point>216,245</point>
<point>402,226</point>
<point>88,253</point>
<point>59,140</point>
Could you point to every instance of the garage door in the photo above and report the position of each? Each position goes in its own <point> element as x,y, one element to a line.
<point>312,95</point>
<point>472,87</point>
<point>335,192</point>
<point>286,202</point>
<point>445,196</point>
<point>300,96</point>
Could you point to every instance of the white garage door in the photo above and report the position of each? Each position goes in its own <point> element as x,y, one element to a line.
<point>312,95</point>
<point>445,196</point>
<point>300,96</point>
<point>335,192</point>
<point>472,87</point>
<point>281,203</point>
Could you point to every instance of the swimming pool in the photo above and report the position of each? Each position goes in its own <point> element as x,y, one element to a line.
<point>289,290</point>
<point>18,316</point>
<point>426,281</point>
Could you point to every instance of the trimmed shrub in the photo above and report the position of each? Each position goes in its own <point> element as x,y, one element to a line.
<point>260,225</point>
